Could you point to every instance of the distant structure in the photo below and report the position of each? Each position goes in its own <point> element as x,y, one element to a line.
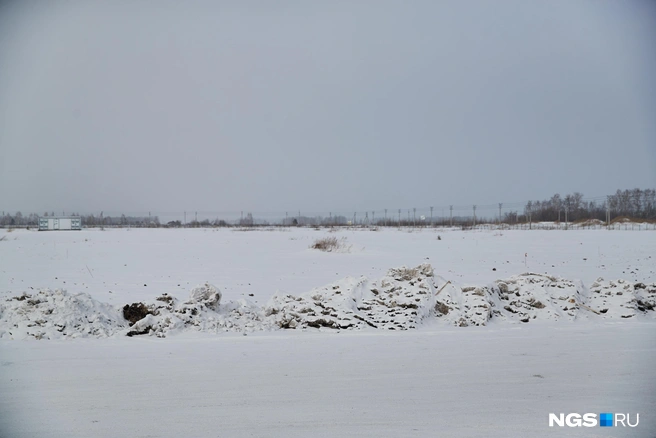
<point>50,223</point>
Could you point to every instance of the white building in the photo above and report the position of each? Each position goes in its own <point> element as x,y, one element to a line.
<point>60,223</point>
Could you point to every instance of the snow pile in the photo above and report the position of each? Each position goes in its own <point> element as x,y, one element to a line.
<point>206,295</point>
<point>463,307</point>
<point>535,296</point>
<point>56,314</point>
<point>333,306</point>
<point>202,312</point>
<point>520,298</point>
<point>399,301</point>
<point>403,299</point>
<point>528,297</point>
<point>621,299</point>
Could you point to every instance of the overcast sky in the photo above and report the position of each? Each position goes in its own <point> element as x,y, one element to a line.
<point>322,105</point>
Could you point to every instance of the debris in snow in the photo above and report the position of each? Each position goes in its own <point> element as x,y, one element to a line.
<point>622,299</point>
<point>399,301</point>
<point>403,299</point>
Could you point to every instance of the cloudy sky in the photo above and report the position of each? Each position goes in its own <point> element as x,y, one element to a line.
<point>322,105</point>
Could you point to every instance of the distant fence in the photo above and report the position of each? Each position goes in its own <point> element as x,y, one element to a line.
<point>625,226</point>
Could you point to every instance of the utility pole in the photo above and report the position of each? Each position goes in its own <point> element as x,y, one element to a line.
<point>500,205</point>
<point>431,222</point>
<point>373,218</point>
<point>286,219</point>
<point>185,218</point>
<point>385,221</point>
<point>399,218</point>
<point>196,217</point>
<point>474,215</point>
<point>566,211</point>
<point>450,215</point>
<point>414,217</point>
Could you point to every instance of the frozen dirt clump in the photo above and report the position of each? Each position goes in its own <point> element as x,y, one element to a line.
<point>57,314</point>
<point>135,312</point>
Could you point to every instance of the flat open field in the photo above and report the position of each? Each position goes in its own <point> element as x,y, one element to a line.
<point>502,379</point>
<point>121,266</point>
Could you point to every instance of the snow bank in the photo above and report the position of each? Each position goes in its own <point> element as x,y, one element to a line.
<point>403,299</point>
<point>463,306</point>
<point>399,301</point>
<point>202,312</point>
<point>621,299</point>
<point>333,306</point>
<point>50,314</point>
<point>528,297</point>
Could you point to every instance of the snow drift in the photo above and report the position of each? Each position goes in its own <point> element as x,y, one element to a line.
<point>405,298</point>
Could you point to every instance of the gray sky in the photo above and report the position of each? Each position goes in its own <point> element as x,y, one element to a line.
<point>322,105</point>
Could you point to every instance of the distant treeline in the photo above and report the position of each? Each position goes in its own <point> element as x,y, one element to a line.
<point>634,204</point>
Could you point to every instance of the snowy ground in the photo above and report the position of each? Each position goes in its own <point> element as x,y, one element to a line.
<point>118,266</point>
<point>436,379</point>
<point>450,382</point>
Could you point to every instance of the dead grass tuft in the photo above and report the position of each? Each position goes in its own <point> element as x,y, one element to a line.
<point>328,244</point>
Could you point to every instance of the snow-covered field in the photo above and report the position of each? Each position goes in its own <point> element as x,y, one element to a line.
<point>557,340</point>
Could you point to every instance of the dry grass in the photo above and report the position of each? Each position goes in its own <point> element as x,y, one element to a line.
<point>328,244</point>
